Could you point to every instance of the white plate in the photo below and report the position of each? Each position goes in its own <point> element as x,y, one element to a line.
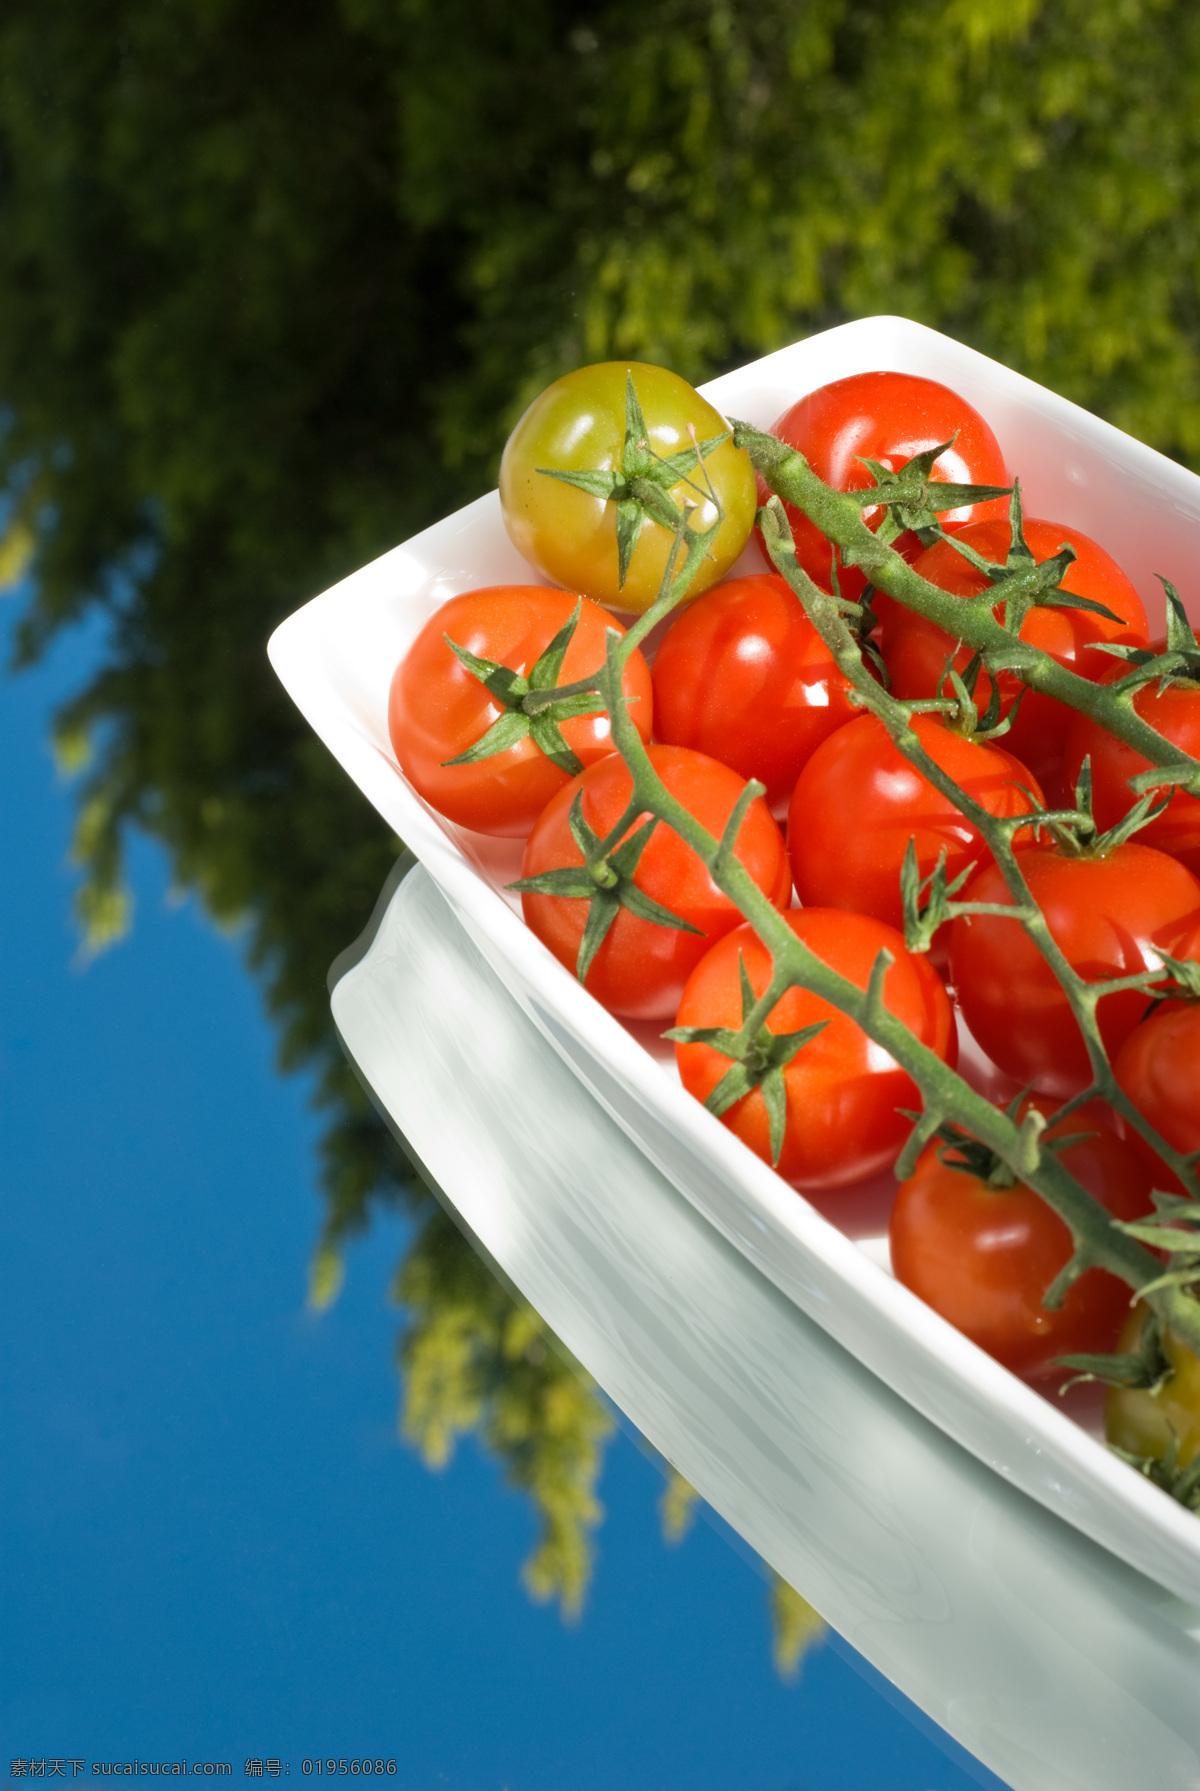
<point>336,656</point>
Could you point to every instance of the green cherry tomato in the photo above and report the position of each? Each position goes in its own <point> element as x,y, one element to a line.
<point>578,425</point>
<point>1143,1422</point>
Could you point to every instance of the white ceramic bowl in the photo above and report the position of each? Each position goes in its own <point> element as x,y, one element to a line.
<point>336,657</point>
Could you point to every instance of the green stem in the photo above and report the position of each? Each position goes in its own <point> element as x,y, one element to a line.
<point>825,614</point>
<point>838,515</point>
<point>946,1096</point>
<point>677,580</point>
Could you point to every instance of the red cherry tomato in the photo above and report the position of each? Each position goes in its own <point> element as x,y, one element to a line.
<point>1110,916</point>
<point>843,1091</point>
<point>858,802</point>
<point>887,417</point>
<point>640,969</point>
<point>437,709</point>
<point>1158,1066</point>
<point>1175,712</point>
<point>983,1256</point>
<point>916,650</point>
<point>743,675</point>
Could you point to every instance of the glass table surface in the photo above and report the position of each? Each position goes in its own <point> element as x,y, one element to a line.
<point>220,1553</point>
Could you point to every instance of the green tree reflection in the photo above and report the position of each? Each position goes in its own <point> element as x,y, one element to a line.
<point>274,281</point>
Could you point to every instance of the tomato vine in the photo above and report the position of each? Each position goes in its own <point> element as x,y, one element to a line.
<point>947,1098</point>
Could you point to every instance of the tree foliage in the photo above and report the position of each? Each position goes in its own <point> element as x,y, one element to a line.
<point>475,1360</point>
<point>274,282</point>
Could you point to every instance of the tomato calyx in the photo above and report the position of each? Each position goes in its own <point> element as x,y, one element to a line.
<point>523,714</point>
<point>1174,1226</point>
<point>1181,1482</point>
<point>1025,581</point>
<point>759,1055</point>
<point>959,1150</point>
<point>1147,1366</point>
<point>1146,1371</point>
<point>605,881</point>
<point>959,708</point>
<point>913,501</point>
<point>1185,974</point>
<point>1151,1410</point>
<point>641,487</point>
<point>927,901</point>
<point>1178,663</point>
<point>1153,1362</point>
<point>1074,831</point>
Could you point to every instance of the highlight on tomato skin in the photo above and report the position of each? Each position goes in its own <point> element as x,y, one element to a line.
<point>438,709</point>
<point>915,650</point>
<point>983,1256</point>
<point>858,802</point>
<point>1112,915</point>
<point>887,417</point>
<point>844,1092</point>
<point>641,968</point>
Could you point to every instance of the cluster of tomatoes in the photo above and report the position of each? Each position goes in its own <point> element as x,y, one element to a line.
<point>742,687</point>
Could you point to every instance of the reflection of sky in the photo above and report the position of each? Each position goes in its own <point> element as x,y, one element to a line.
<point>215,1546</point>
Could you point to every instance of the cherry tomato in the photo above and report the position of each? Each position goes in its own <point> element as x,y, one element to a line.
<point>640,969</point>
<point>983,1256</point>
<point>437,709</point>
<point>1110,916</point>
<point>578,425</point>
<point>1143,1422</point>
<point>1175,712</point>
<point>843,1091</point>
<point>742,674</point>
<point>858,802</point>
<point>916,650</point>
<point>887,417</point>
<point>1158,1066</point>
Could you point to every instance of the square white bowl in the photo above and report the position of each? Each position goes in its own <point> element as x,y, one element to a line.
<point>336,657</point>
